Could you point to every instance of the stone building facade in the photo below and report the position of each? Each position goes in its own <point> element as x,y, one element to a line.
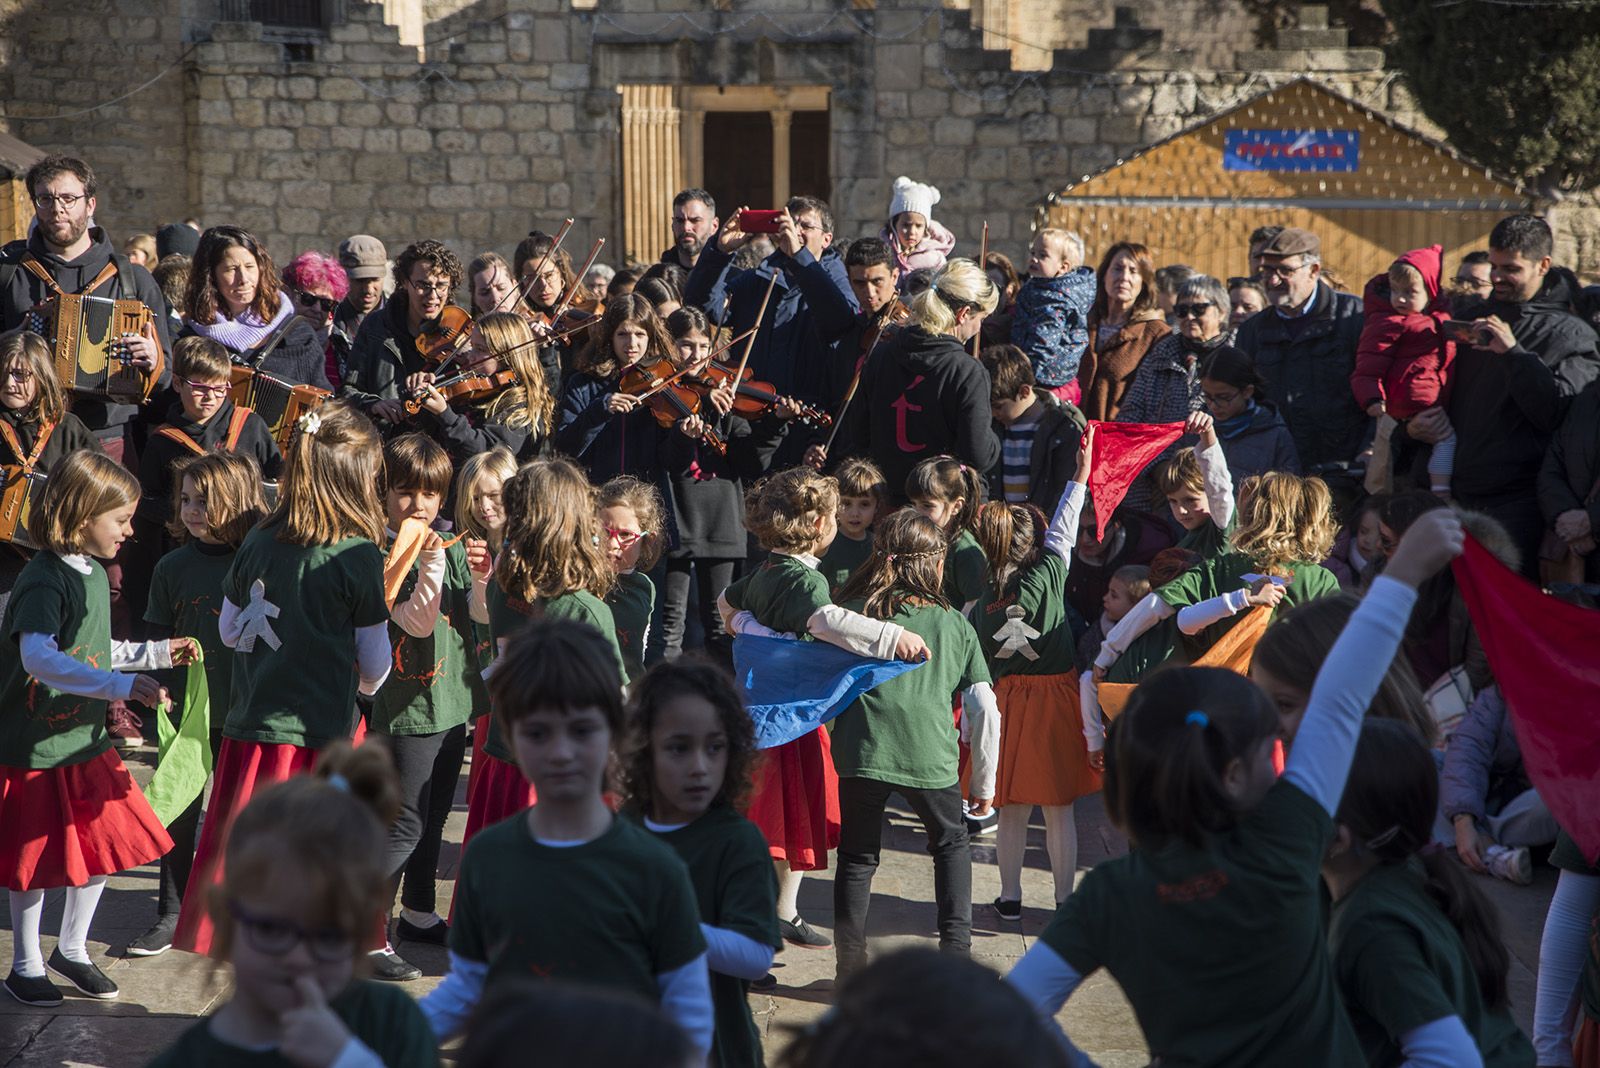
<point>477,122</point>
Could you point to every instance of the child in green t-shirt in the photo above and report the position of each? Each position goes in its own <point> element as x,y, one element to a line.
<point>293,915</point>
<point>1416,947</point>
<point>900,737</point>
<point>691,749</point>
<point>950,493</point>
<point>70,814</point>
<point>303,610</point>
<point>1221,894</point>
<point>1199,489</point>
<point>422,709</point>
<point>632,528</point>
<point>566,891</point>
<point>863,498</point>
<point>218,500</point>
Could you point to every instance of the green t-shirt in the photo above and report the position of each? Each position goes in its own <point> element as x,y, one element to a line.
<point>736,890</point>
<point>436,682</point>
<point>1039,592</point>
<point>781,593</point>
<point>1237,925</point>
<point>1208,539</point>
<point>844,556</point>
<point>966,571</point>
<point>1156,646</point>
<point>383,1017</point>
<point>507,615</point>
<point>186,597</point>
<point>617,911</point>
<point>303,692</point>
<point>631,601</point>
<point>902,732</point>
<point>1225,573</point>
<point>41,727</point>
<point>1401,964</point>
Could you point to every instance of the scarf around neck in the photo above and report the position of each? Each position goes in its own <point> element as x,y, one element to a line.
<point>247,331</point>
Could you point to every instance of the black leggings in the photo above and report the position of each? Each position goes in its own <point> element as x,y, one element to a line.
<point>712,576</point>
<point>428,766</point>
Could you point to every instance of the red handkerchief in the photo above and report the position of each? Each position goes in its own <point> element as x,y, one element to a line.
<point>1121,451</point>
<point>1546,657</point>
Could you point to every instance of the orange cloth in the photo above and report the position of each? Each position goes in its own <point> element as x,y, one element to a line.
<point>408,542</point>
<point>1232,651</point>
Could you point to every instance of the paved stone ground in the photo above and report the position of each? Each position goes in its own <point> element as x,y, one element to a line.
<point>161,995</point>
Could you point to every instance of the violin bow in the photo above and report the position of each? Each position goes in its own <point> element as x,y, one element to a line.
<point>855,380</point>
<point>761,316</point>
<point>577,280</point>
<point>522,293</point>
<point>672,379</point>
<point>983,254</point>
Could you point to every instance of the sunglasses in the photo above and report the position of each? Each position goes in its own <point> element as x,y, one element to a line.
<point>276,937</point>
<point>1186,311</point>
<point>311,300</point>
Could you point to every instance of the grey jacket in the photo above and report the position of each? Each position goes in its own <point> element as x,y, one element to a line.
<point>1483,766</point>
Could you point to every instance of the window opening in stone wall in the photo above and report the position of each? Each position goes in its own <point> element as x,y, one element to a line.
<point>810,172</point>
<point>306,14</point>
<point>738,159</point>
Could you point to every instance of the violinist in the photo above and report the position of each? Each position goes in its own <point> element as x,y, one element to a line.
<point>385,353</point>
<point>491,282</point>
<point>705,491</point>
<point>544,293</point>
<point>870,264</point>
<point>605,429</point>
<point>511,406</point>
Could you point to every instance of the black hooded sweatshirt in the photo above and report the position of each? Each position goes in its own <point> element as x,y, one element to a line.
<point>22,290</point>
<point>1504,408</point>
<point>921,395</point>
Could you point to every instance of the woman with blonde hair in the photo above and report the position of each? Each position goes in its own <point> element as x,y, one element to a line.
<point>922,393</point>
<point>518,416</point>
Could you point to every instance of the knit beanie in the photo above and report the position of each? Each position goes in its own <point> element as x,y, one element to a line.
<point>912,196</point>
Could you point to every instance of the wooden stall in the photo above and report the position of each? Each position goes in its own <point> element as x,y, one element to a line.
<point>16,210</point>
<point>1301,155</point>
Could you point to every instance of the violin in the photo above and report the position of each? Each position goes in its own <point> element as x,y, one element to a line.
<point>893,314</point>
<point>444,334</point>
<point>469,387</point>
<point>667,400</point>
<point>753,399</point>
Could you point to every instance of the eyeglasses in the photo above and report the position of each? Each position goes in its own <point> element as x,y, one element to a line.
<point>50,200</point>
<point>1278,270</point>
<point>428,287</point>
<point>625,539</point>
<point>20,375</point>
<point>1468,282</point>
<point>1221,400</point>
<point>1185,311</point>
<point>276,937</point>
<point>311,300</point>
<point>807,227</point>
<point>205,390</point>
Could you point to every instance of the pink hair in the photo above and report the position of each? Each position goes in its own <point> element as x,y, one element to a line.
<point>317,269</point>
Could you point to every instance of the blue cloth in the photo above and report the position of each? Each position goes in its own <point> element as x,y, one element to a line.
<point>793,687</point>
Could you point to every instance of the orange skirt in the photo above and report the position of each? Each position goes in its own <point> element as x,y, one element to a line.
<point>795,801</point>
<point>65,825</point>
<point>1044,759</point>
<point>242,769</point>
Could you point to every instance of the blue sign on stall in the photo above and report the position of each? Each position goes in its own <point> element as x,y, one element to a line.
<point>1292,150</point>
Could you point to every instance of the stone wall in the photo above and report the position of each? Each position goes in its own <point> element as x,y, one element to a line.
<point>512,121</point>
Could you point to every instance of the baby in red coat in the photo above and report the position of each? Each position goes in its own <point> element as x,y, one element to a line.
<point>1403,360</point>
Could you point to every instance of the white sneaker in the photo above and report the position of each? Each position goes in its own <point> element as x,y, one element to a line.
<point>1512,865</point>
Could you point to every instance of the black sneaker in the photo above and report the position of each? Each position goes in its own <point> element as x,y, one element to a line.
<point>802,934</point>
<point>391,967</point>
<point>437,935</point>
<point>89,979</point>
<point>765,985</point>
<point>155,941</point>
<point>984,824</point>
<point>41,991</point>
<point>1008,910</point>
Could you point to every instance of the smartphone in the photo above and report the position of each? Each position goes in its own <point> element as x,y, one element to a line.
<point>1461,330</point>
<point>764,221</point>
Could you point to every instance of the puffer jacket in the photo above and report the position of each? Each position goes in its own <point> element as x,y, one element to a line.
<point>1403,359</point>
<point>1051,324</point>
<point>1308,374</point>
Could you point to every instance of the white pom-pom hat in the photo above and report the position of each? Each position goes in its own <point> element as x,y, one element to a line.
<point>913,196</point>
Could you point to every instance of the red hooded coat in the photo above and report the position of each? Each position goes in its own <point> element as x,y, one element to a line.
<point>1403,360</point>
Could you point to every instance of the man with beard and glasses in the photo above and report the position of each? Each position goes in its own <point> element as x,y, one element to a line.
<point>694,222</point>
<point>68,246</point>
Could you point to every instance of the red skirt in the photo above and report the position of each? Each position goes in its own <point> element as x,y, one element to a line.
<point>1044,759</point>
<point>66,825</point>
<point>242,769</point>
<point>497,792</point>
<point>795,801</point>
<point>480,734</point>
<point>1586,1044</point>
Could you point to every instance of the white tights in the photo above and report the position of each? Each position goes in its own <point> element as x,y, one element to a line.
<point>1562,949</point>
<point>788,890</point>
<point>1060,842</point>
<point>27,909</point>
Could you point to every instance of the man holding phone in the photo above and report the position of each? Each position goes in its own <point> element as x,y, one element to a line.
<point>811,304</point>
<point>1526,358</point>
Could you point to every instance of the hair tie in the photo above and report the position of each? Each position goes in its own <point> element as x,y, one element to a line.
<point>888,558</point>
<point>953,303</point>
<point>309,423</point>
<point>339,782</point>
<point>1197,718</point>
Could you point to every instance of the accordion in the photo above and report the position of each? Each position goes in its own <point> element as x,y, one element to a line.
<point>21,490</point>
<point>88,337</point>
<point>277,402</point>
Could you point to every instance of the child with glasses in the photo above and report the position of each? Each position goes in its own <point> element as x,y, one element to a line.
<point>305,885</point>
<point>632,518</point>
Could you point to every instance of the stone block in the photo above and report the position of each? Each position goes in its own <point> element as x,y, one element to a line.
<point>440,116</point>
<point>893,106</point>
<point>965,105</point>
<point>252,191</point>
<point>546,168</point>
<point>1096,100</point>
<point>1040,128</point>
<point>346,138</point>
<point>220,31</point>
<point>986,164</point>
<point>285,113</point>
<point>1089,159</point>
<point>998,132</point>
<point>929,103</point>
<point>340,88</point>
<point>1134,98</point>
<point>1157,127</point>
<point>273,139</point>
<point>1119,129</point>
<point>482,116</point>
<point>507,169</point>
<point>333,166</point>
<point>953,131</point>
<point>466,169</point>
<point>415,139</point>
<point>1304,38</point>
<point>899,67</point>
<point>348,32</point>
<point>300,87</point>
<point>426,170</point>
<point>362,113</point>
<point>497,143</point>
<point>1078,131</point>
<point>550,42</point>
<point>527,116</point>
<point>214,112</point>
<point>945,164</point>
<point>539,143</point>
<point>568,76</point>
<point>385,139</point>
<point>482,54</point>
<point>563,117</point>
<point>449,142</point>
<point>902,133</point>
<point>559,196</point>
